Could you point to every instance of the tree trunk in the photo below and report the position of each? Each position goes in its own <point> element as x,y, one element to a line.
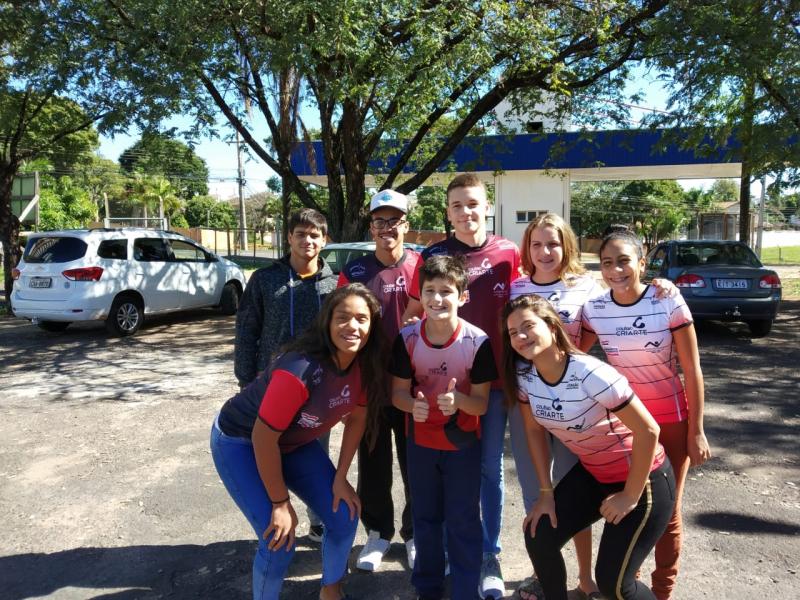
<point>354,162</point>
<point>9,228</point>
<point>747,166</point>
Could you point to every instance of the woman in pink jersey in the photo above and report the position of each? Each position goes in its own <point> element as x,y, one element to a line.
<point>622,475</point>
<point>645,339</point>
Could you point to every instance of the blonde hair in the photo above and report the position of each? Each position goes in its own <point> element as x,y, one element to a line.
<point>571,262</point>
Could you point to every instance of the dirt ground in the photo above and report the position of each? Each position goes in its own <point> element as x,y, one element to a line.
<point>107,489</point>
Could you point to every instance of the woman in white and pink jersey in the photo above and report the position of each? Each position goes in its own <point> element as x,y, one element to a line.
<point>550,257</point>
<point>622,475</point>
<point>645,339</point>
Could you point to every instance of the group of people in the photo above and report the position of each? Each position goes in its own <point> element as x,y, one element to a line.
<point>442,351</point>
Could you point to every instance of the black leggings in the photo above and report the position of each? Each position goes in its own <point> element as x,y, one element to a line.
<point>623,547</point>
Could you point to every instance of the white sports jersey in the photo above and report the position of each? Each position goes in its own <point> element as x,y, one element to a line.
<point>579,411</point>
<point>566,297</point>
<point>637,340</point>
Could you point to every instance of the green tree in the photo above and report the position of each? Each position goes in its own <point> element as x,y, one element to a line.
<point>64,204</point>
<point>594,205</point>
<point>102,179</point>
<point>372,72</point>
<point>158,154</point>
<point>54,90</point>
<point>659,208</point>
<point>205,211</point>
<point>733,70</point>
<point>430,210</point>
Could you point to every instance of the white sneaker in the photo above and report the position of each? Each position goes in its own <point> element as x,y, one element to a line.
<point>492,585</point>
<point>411,553</point>
<point>372,553</point>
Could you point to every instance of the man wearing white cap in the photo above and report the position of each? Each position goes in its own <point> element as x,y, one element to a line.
<point>388,274</point>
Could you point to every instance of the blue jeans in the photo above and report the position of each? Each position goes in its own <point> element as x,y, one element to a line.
<point>493,434</point>
<point>445,487</point>
<point>563,459</point>
<point>308,473</point>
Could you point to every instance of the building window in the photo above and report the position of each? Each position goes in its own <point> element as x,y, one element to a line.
<point>526,216</point>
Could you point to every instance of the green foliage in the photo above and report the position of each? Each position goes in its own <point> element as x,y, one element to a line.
<point>205,211</point>
<point>654,209</point>
<point>64,205</point>
<point>430,210</point>
<point>158,154</point>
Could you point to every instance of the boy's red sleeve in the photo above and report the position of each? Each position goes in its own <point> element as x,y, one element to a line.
<point>342,281</point>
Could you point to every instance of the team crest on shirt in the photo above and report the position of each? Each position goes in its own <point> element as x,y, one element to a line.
<point>554,298</point>
<point>637,327</point>
<point>481,269</point>
<point>499,290</point>
<point>358,270</point>
<point>574,382</point>
<point>440,370</point>
<point>598,303</point>
<point>653,345</point>
<point>553,412</point>
<point>342,398</point>
<point>316,376</point>
<point>309,421</point>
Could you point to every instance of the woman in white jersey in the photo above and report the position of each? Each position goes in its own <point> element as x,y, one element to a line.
<point>645,339</point>
<point>553,270</point>
<point>622,475</point>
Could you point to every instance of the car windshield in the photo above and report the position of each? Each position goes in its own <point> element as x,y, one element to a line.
<point>716,254</point>
<point>53,249</point>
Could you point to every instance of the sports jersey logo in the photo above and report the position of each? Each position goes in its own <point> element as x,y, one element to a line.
<point>499,290</point>
<point>440,370</point>
<point>556,404</point>
<point>342,398</point>
<point>554,297</point>
<point>399,285</point>
<point>565,316</point>
<point>639,322</point>
<point>316,377</point>
<point>481,269</point>
<point>549,413</point>
<point>358,270</point>
<point>308,421</point>
<point>578,427</point>
<point>486,264</point>
<point>653,344</point>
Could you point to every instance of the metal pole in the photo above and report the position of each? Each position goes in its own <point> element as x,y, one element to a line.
<point>760,231</point>
<point>240,179</point>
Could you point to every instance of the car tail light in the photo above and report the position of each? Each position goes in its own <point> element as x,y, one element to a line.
<point>15,273</point>
<point>84,274</point>
<point>772,282</point>
<point>690,280</point>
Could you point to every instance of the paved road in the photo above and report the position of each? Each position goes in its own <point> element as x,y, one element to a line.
<point>108,488</point>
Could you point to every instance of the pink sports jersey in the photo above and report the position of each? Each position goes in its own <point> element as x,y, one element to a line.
<point>389,284</point>
<point>579,410</point>
<point>467,357</point>
<point>492,267</point>
<point>637,340</point>
<point>566,297</point>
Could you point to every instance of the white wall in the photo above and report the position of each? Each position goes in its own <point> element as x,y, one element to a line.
<point>526,191</point>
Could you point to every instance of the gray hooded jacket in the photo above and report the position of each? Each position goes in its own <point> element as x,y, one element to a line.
<point>277,306</point>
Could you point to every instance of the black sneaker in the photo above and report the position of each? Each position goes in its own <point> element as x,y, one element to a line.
<point>315,533</point>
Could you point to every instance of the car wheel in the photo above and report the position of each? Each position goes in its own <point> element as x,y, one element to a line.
<point>54,326</point>
<point>760,328</point>
<point>229,302</point>
<point>126,316</point>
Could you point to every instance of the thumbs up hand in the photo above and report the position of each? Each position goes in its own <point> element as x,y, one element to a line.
<point>447,401</point>
<point>420,409</point>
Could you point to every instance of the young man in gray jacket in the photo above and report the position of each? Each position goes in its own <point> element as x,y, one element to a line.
<point>280,302</point>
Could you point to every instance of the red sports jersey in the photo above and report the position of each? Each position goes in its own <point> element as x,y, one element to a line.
<point>390,284</point>
<point>492,267</point>
<point>467,356</point>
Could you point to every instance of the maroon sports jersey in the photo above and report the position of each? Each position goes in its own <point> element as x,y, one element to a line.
<point>492,267</point>
<point>390,284</point>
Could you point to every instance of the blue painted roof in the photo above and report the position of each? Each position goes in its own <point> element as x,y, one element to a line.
<point>570,150</point>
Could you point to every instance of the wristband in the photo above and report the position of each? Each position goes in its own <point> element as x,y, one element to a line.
<point>544,490</point>
<point>280,501</point>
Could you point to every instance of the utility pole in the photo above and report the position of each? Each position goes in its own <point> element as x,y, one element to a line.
<point>240,179</point>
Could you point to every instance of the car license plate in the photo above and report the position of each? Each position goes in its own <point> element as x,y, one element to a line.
<point>731,284</point>
<point>40,282</point>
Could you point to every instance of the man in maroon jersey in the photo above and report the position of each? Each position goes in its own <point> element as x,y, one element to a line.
<point>388,274</point>
<point>492,264</point>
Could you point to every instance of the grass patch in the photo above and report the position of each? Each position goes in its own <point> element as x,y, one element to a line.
<point>791,288</point>
<point>786,255</point>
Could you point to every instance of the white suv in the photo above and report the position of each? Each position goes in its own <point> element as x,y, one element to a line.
<point>119,276</point>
